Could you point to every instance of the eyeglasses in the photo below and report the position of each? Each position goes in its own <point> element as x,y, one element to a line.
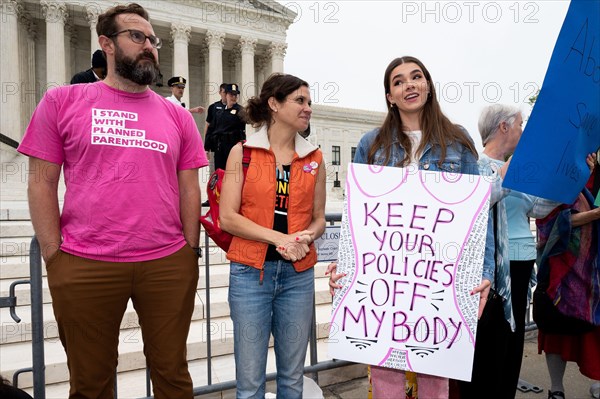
<point>139,37</point>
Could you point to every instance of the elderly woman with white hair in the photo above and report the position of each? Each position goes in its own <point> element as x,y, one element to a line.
<point>500,332</point>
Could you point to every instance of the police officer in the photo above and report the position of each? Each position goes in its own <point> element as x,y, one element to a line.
<point>229,126</point>
<point>213,113</point>
<point>210,142</point>
<point>177,85</point>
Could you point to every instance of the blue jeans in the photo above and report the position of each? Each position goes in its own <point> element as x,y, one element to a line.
<point>282,305</point>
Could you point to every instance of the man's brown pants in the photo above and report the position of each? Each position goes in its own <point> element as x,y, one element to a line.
<point>89,298</point>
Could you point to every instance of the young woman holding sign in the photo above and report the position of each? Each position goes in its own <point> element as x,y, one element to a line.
<point>415,134</point>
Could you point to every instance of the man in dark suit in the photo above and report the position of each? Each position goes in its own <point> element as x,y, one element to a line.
<point>95,73</point>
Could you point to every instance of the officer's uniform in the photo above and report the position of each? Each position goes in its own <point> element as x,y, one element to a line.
<point>176,80</point>
<point>230,128</point>
<point>212,115</point>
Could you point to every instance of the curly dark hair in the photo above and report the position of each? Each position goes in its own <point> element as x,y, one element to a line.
<point>278,86</point>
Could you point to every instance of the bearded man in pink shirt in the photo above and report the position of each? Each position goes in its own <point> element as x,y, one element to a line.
<point>129,224</point>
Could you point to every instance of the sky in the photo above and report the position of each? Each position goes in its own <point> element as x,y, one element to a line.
<point>478,52</point>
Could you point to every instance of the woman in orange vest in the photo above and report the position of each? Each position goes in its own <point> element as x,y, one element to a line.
<point>274,211</point>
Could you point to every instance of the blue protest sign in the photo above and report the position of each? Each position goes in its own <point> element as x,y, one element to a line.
<point>564,126</point>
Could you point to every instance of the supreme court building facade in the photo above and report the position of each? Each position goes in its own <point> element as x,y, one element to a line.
<point>43,43</point>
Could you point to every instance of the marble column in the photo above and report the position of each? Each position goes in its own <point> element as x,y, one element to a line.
<point>27,39</point>
<point>205,77</point>
<point>73,46</point>
<point>180,34</point>
<point>247,46</point>
<point>214,41</point>
<point>263,70</point>
<point>56,15</point>
<point>91,16</point>
<point>277,53</point>
<point>70,49</point>
<point>235,65</point>
<point>10,74</point>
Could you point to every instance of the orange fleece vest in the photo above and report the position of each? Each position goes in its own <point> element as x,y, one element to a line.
<point>258,205</point>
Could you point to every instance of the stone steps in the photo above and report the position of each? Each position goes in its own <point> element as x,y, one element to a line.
<point>19,246</point>
<point>15,246</point>
<point>13,210</point>
<point>23,292</point>
<point>17,268</point>
<point>131,384</point>
<point>15,338</point>
<point>11,332</point>
<point>16,355</point>
<point>16,228</point>
<point>15,332</point>
<point>219,277</point>
<point>15,342</point>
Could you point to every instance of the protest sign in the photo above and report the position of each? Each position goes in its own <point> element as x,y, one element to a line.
<point>412,245</point>
<point>564,126</point>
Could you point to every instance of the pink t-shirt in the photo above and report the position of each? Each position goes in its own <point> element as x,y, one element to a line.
<point>120,154</point>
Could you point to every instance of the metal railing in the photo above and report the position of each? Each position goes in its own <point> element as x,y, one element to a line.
<point>37,322</point>
<point>8,141</point>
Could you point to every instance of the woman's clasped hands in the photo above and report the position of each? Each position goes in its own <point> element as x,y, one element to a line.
<point>295,246</point>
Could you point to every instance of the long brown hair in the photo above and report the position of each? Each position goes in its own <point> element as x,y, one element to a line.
<point>435,126</point>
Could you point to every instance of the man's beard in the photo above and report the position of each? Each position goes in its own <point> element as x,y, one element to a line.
<point>137,71</point>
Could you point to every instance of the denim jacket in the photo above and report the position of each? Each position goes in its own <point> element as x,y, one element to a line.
<point>458,159</point>
<point>497,258</point>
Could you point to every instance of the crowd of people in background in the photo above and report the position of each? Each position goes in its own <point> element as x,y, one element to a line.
<point>117,240</point>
